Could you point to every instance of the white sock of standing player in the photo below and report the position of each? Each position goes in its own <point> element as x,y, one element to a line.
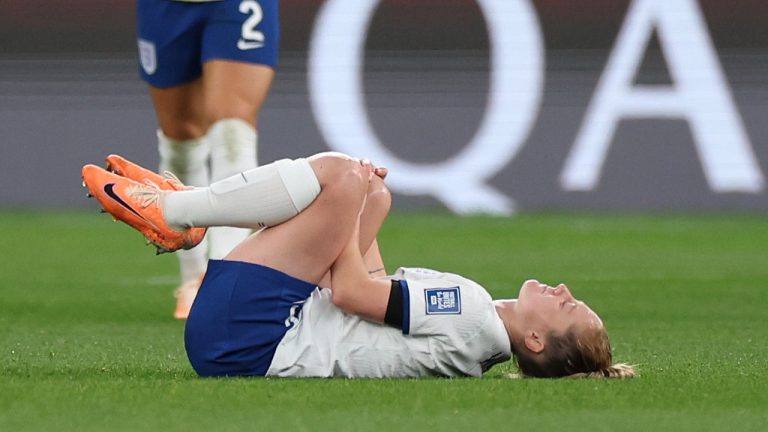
<point>188,160</point>
<point>234,145</point>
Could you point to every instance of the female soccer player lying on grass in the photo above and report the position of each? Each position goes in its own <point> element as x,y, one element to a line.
<point>260,311</point>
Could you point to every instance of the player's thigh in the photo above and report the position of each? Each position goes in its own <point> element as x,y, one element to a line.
<point>235,89</point>
<point>239,53</point>
<point>306,246</point>
<point>180,110</point>
<point>170,37</point>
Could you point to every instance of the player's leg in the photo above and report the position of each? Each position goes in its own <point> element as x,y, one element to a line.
<point>184,150</point>
<point>234,93</point>
<point>243,310</point>
<point>306,246</point>
<point>181,117</point>
<point>376,208</point>
<point>174,218</point>
<point>169,43</point>
<point>239,52</point>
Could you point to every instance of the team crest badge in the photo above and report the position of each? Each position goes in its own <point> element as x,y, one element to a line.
<point>443,301</point>
<point>147,56</point>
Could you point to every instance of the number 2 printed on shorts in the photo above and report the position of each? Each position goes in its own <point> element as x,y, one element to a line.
<point>250,38</point>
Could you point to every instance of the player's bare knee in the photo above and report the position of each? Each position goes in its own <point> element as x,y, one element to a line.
<point>347,188</point>
<point>337,168</point>
<point>379,196</point>
<point>344,194</point>
<point>186,129</point>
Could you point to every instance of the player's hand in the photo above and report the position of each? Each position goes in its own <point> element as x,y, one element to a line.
<point>368,167</point>
<point>380,172</point>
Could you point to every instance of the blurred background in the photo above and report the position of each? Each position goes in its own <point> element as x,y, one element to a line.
<point>494,106</point>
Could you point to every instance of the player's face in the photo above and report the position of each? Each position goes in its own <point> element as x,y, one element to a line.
<point>553,308</point>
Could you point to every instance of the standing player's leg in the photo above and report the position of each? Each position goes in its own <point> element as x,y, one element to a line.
<point>239,53</point>
<point>184,150</point>
<point>170,35</point>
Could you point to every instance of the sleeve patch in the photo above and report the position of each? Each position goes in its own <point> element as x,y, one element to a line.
<point>443,301</point>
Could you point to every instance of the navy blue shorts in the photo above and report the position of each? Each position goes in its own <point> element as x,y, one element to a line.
<point>175,38</point>
<point>241,313</point>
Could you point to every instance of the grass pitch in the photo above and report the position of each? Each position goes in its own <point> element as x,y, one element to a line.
<point>87,341</point>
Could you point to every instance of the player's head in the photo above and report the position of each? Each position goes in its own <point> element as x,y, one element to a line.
<point>561,336</point>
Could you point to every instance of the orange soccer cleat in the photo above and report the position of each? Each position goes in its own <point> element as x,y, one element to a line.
<point>138,204</point>
<point>123,167</point>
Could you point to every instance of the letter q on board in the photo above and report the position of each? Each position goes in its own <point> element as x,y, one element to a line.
<point>516,86</point>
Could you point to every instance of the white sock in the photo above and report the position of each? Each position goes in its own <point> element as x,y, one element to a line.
<point>188,160</point>
<point>263,196</point>
<point>233,150</point>
<point>193,262</point>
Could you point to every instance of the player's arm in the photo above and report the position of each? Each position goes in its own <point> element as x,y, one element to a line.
<point>374,263</point>
<point>378,201</point>
<point>377,204</point>
<point>353,289</point>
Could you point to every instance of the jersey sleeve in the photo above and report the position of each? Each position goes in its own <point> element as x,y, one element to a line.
<point>441,304</point>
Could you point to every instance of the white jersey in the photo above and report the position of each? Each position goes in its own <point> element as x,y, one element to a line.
<point>450,328</point>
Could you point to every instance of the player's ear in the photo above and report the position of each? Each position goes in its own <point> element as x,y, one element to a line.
<point>534,341</point>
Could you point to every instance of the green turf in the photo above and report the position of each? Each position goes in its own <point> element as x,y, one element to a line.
<point>87,343</point>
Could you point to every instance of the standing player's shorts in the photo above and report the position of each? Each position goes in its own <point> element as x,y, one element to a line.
<point>175,38</point>
<point>240,315</point>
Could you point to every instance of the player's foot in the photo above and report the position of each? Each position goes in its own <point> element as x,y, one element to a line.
<point>138,205</point>
<point>123,167</point>
<point>185,295</point>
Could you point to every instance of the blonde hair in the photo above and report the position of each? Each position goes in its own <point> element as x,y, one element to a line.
<point>577,353</point>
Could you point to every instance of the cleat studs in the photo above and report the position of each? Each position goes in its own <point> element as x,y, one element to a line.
<point>88,195</point>
<point>102,211</point>
<point>83,183</point>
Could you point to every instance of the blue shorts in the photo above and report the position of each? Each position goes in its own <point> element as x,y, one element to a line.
<point>175,38</point>
<point>241,313</point>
